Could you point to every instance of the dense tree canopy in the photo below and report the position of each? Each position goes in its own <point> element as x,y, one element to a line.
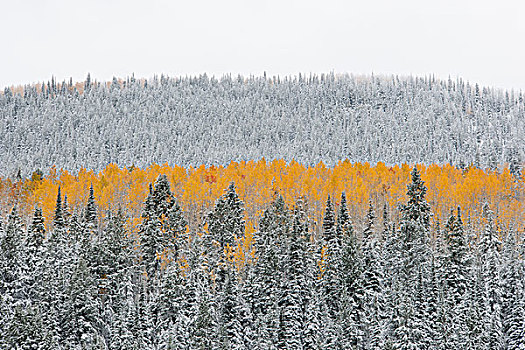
<point>157,284</point>
<point>204,120</point>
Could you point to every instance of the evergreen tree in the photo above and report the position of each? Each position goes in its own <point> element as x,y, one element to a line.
<point>409,323</point>
<point>90,213</point>
<point>350,272</point>
<point>34,257</point>
<point>489,266</point>
<point>456,274</point>
<point>329,227</point>
<point>267,273</point>
<point>293,298</point>
<point>512,299</point>
<point>415,226</point>
<point>225,221</point>
<point>12,251</point>
<point>81,317</point>
<point>332,278</point>
<point>371,317</point>
<point>344,224</point>
<point>225,226</point>
<point>37,230</point>
<point>58,220</point>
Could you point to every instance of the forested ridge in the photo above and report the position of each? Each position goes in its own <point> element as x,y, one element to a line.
<point>308,212</point>
<point>189,121</point>
<point>395,277</point>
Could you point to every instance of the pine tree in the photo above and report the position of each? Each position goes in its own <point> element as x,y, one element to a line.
<point>12,263</point>
<point>457,259</point>
<point>203,326</point>
<point>293,298</point>
<point>512,299</point>
<point>489,266</point>
<point>225,221</point>
<point>329,227</point>
<point>34,258</point>
<point>312,338</point>
<point>409,323</point>
<point>274,224</point>
<point>415,226</point>
<point>267,273</point>
<point>372,285</point>
<point>58,220</point>
<point>152,239</point>
<point>344,224</point>
<point>66,213</point>
<point>179,244</point>
<point>81,316</point>
<point>225,225</point>
<point>163,226</point>
<point>350,272</point>
<point>90,213</point>
<point>25,330</point>
<point>37,230</point>
<point>332,278</point>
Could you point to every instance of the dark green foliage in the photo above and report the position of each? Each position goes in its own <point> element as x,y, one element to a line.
<point>58,220</point>
<point>329,228</point>
<point>90,214</point>
<point>163,227</point>
<point>226,220</point>
<point>37,230</point>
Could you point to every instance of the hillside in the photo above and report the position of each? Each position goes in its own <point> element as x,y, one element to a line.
<point>204,120</point>
<point>262,213</point>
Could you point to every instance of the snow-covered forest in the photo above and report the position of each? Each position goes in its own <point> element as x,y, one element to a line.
<point>300,265</point>
<point>87,284</point>
<point>204,120</point>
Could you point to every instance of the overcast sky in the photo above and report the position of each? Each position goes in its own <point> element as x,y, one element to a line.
<point>482,41</point>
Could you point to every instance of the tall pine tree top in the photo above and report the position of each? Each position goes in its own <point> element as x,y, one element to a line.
<point>162,197</point>
<point>417,209</point>
<point>91,210</point>
<point>415,221</point>
<point>226,220</point>
<point>413,236</point>
<point>58,220</point>
<point>37,231</point>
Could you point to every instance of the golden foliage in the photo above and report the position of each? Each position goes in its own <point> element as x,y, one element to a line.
<point>257,181</point>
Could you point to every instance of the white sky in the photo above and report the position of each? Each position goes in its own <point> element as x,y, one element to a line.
<point>482,41</point>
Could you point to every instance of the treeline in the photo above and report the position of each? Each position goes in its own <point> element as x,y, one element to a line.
<point>257,181</point>
<point>204,120</point>
<point>105,284</point>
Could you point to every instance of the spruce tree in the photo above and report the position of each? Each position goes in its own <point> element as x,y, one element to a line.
<point>350,272</point>
<point>344,224</point>
<point>90,213</point>
<point>293,298</point>
<point>512,299</point>
<point>415,226</point>
<point>225,225</point>
<point>37,230</point>
<point>329,227</point>
<point>332,278</point>
<point>489,266</point>
<point>59,221</point>
<point>35,252</point>
<point>12,251</point>
<point>411,265</point>
<point>372,285</point>
<point>457,258</point>
<point>226,220</point>
<point>267,273</point>
<point>152,239</point>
